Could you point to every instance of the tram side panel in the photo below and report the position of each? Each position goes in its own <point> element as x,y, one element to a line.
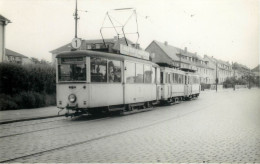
<point>139,82</point>
<point>106,94</point>
<point>195,85</point>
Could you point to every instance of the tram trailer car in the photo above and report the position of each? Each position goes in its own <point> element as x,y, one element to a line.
<point>192,85</point>
<point>95,82</point>
<point>172,84</point>
<point>178,85</point>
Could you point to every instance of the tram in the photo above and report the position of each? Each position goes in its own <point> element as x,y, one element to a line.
<point>96,82</point>
<point>177,85</point>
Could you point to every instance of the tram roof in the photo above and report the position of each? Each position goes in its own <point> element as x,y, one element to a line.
<point>84,53</point>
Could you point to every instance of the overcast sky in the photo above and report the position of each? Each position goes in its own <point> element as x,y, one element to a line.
<point>225,29</point>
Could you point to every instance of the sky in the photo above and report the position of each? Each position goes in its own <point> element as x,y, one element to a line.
<point>225,29</point>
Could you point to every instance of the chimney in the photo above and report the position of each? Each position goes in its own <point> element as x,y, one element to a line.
<point>185,49</point>
<point>166,43</point>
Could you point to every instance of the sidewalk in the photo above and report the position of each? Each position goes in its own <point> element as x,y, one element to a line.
<point>9,116</point>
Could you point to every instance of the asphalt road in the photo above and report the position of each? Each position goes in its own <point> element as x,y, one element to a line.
<point>217,127</point>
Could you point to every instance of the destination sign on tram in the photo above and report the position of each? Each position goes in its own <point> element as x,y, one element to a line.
<point>71,60</point>
<point>130,51</point>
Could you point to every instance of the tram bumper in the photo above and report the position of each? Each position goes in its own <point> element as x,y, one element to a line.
<point>72,106</point>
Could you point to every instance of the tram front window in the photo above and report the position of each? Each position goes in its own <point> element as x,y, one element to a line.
<point>72,71</point>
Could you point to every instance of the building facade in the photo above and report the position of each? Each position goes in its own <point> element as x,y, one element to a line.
<point>176,57</point>
<point>221,69</point>
<point>240,71</point>
<point>15,57</point>
<point>3,22</point>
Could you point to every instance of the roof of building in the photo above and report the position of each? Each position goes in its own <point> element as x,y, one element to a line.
<point>13,53</point>
<point>169,50</point>
<point>218,60</point>
<point>3,19</point>
<point>117,42</point>
<point>172,52</point>
<point>256,69</point>
<point>240,66</point>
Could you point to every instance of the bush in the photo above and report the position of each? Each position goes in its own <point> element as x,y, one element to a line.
<point>50,100</point>
<point>27,86</point>
<point>15,79</point>
<point>6,102</point>
<point>204,86</point>
<point>26,100</point>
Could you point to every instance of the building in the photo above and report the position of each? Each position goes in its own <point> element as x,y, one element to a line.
<point>222,69</point>
<point>111,45</point>
<point>240,71</point>
<point>3,22</point>
<point>176,57</point>
<point>15,57</point>
<point>256,75</point>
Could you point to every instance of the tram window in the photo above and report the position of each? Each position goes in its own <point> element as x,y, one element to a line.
<point>158,75</point>
<point>72,70</point>
<point>169,78</point>
<point>114,71</point>
<point>162,77</point>
<point>130,72</point>
<point>147,74</point>
<point>176,76</point>
<point>179,79</point>
<point>98,70</point>
<point>153,75</point>
<point>139,74</point>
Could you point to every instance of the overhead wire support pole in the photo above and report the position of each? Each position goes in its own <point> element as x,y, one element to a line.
<point>76,18</point>
<point>216,76</point>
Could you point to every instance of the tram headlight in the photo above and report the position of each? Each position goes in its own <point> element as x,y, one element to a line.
<point>72,98</point>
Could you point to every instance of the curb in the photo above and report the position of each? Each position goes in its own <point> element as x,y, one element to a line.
<point>29,119</point>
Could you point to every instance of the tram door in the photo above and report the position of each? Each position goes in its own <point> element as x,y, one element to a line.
<point>158,84</point>
<point>188,85</point>
<point>169,84</point>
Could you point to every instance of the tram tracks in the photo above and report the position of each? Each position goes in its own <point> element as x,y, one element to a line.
<point>7,126</point>
<point>44,129</point>
<point>89,118</point>
<point>104,136</point>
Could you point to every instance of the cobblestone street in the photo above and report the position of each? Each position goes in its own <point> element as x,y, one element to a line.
<point>217,127</point>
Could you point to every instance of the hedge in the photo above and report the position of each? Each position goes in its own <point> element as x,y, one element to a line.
<point>35,78</point>
<point>27,86</point>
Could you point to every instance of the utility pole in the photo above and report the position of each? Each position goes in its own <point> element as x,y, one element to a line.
<point>76,18</point>
<point>216,76</point>
<point>249,79</point>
